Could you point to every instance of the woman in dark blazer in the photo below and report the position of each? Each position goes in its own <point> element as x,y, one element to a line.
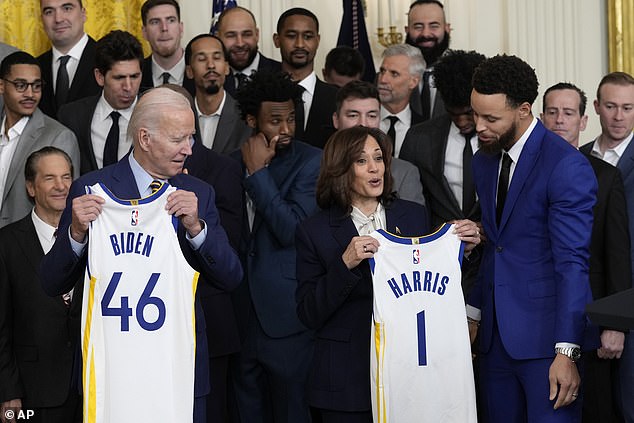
<point>334,295</point>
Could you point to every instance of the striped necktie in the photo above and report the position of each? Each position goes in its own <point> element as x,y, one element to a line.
<point>155,185</point>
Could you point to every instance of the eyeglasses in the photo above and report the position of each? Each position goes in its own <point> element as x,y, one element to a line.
<point>21,86</point>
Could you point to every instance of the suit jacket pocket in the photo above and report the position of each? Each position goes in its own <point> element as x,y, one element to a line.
<point>332,353</point>
<point>541,288</point>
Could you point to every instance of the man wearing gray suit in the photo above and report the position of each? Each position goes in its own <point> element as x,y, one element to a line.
<point>23,130</point>
<point>357,103</point>
<point>218,123</point>
<point>615,107</point>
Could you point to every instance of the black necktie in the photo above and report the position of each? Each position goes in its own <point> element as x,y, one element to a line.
<point>391,132</point>
<point>468,187</point>
<point>166,77</point>
<point>155,185</point>
<point>111,149</point>
<point>63,83</point>
<point>425,96</point>
<point>241,80</point>
<point>299,116</point>
<point>503,185</point>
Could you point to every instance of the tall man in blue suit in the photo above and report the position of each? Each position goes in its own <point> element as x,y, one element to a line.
<point>161,127</point>
<point>536,194</point>
<point>615,106</point>
<point>280,177</point>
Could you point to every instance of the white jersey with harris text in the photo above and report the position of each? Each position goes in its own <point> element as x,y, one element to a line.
<point>138,324</point>
<point>421,369</point>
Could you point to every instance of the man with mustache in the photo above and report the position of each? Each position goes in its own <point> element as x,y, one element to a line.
<point>237,29</point>
<point>219,126</point>
<point>428,30</point>
<point>23,130</point>
<point>67,68</point>
<point>615,106</point>
<point>163,29</point>
<point>280,177</point>
<point>537,194</point>
<point>297,38</point>
<point>100,122</point>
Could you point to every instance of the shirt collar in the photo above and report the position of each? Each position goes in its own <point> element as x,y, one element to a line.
<point>404,115</point>
<point>516,149</point>
<point>177,71</point>
<point>74,52</point>
<point>15,130</point>
<point>309,83</point>
<point>104,109</point>
<point>141,177</point>
<point>45,230</point>
<point>218,111</point>
<point>618,150</point>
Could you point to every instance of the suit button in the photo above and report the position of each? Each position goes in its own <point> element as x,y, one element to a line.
<point>498,249</point>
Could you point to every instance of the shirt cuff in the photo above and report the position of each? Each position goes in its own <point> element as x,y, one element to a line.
<point>78,247</point>
<point>566,345</point>
<point>473,313</point>
<point>198,240</point>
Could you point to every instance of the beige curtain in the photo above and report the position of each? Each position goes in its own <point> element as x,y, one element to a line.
<point>621,35</point>
<point>21,26</point>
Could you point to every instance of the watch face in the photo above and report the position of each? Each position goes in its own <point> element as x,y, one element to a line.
<point>576,354</point>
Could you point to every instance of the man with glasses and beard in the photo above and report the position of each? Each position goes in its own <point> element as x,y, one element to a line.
<point>428,30</point>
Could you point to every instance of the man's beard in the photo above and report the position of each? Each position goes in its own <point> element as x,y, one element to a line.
<point>504,142</point>
<point>431,54</point>
<point>250,58</point>
<point>213,88</point>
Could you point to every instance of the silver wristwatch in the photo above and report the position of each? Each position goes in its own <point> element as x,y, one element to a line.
<point>573,353</point>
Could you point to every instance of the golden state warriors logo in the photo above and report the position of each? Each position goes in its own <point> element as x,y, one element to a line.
<point>134,220</point>
<point>416,256</point>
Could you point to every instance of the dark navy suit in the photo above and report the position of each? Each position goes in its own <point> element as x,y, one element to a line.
<point>533,284</point>
<point>215,259</point>
<point>337,303</point>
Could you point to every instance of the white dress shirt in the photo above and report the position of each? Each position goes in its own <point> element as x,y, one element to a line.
<point>612,155</point>
<point>100,126</point>
<point>309,91</point>
<point>453,160</point>
<point>209,123</point>
<point>177,73</point>
<point>400,128</point>
<point>72,64</point>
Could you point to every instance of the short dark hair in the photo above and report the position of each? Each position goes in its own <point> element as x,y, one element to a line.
<point>30,168</point>
<point>227,11</point>
<point>265,85</point>
<point>583,100</point>
<point>188,48</point>
<point>453,74</point>
<point>336,174</point>
<point>117,46</point>
<point>296,11</point>
<point>149,4</point>
<point>508,75</point>
<point>419,2</point>
<point>356,89</point>
<point>616,78</point>
<point>16,58</point>
<point>345,61</point>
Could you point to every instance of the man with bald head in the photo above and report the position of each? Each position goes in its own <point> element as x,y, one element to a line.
<point>161,127</point>
<point>238,31</point>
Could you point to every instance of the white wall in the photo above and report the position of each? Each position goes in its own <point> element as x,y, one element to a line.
<point>564,40</point>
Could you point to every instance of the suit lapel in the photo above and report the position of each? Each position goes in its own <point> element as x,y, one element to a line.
<point>523,168</point>
<point>124,183</point>
<point>486,187</point>
<point>31,133</point>
<point>29,243</point>
<point>86,133</point>
<point>626,162</point>
<point>85,70</point>
<point>226,124</point>
<point>343,228</point>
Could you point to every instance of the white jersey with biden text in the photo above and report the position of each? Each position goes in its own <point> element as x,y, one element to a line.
<point>421,367</point>
<point>138,334</point>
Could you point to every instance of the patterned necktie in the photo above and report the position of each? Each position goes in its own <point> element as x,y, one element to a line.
<point>241,80</point>
<point>166,77</point>
<point>63,82</point>
<point>111,149</point>
<point>155,185</point>
<point>503,185</point>
<point>391,132</point>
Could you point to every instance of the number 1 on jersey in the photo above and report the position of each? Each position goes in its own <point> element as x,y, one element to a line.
<point>422,342</point>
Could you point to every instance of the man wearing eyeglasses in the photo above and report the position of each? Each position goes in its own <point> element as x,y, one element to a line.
<point>24,129</point>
